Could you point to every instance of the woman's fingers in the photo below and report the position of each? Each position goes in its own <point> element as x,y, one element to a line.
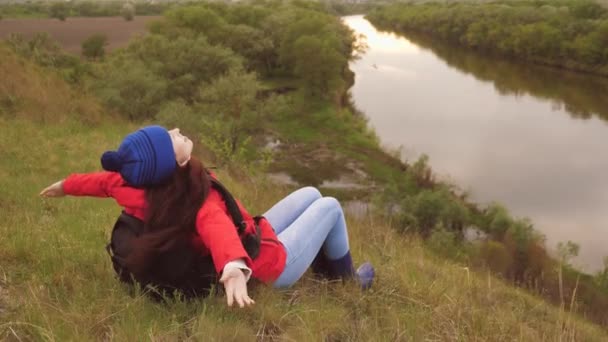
<point>239,299</point>
<point>236,289</point>
<point>249,301</point>
<point>45,192</point>
<point>229,292</point>
<point>53,190</point>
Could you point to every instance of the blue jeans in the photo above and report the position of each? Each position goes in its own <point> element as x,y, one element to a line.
<point>305,222</point>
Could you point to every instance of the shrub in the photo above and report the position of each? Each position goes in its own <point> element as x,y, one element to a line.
<point>232,111</point>
<point>41,48</point>
<point>498,221</point>
<point>436,207</point>
<point>94,46</point>
<point>184,62</point>
<point>59,10</point>
<point>130,88</point>
<point>422,172</point>
<point>128,11</point>
<point>496,257</point>
<point>443,242</point>
<point>601,278</point>
<point>44,51</point>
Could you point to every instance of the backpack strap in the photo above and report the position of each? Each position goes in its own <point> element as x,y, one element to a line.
<point>233,208</point>
<point>250,242</point>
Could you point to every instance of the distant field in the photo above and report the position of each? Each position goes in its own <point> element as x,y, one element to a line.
<point>72,32</point>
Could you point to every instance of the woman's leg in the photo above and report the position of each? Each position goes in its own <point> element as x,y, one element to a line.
<point>287,210</point>
<point>321,225</point>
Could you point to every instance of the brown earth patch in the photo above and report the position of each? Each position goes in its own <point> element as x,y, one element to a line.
<point>71,33</point>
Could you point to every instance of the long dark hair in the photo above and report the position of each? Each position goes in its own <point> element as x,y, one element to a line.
<point>170,215</point>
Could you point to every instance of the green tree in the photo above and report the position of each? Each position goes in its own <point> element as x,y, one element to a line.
<point>128,11</point>
<point>499,221</point>
<point>250,43</point>
<point>231,115</point>
<point>318,65</point>
<point>129,87</point>
<point>59,10</point>
<point>231,99</point>
<point>94,46</point>
<point>567,251</point>
<point>601,278</point>
<point>434,208</point>
<point>199,19</point>
<point>586,9</point>
<point>184,62</point>
<point>312,25</point>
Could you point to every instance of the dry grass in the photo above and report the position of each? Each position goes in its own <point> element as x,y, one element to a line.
<point>28,92</point>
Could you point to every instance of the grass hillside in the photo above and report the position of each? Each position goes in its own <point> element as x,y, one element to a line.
<point>56,281</point>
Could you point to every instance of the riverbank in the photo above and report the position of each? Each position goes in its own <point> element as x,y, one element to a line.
<point>498,145</point>
<point>565,34</point>
<point>516,131</point>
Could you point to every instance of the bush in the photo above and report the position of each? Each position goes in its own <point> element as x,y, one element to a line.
<point>128,11</point>
<point>444,243</point>
<point>130,88</point>
<point>41,48</point>
<point>233,112</point>
<point>496,257</point>
<point>94,46</point>
<point>184,62</point>
<point>498,221</point>
<point>59,10</point>
<point>431,208</point>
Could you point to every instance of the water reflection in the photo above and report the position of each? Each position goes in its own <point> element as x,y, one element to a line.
<point>580,95</point>
<point>503,131</point>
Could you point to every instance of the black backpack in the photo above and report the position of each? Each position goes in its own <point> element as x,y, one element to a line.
<point>181,270</point>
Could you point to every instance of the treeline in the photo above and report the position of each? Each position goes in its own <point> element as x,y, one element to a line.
<point>345,7</point>
<point>571,34</point>
<point>82,8</point>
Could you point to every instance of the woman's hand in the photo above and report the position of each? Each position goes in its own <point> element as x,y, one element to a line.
<point>54,190</point>
<point>235,285</point>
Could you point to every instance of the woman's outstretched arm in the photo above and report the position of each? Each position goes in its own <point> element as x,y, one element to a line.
<point>100,184</point>
<point>96,184</point>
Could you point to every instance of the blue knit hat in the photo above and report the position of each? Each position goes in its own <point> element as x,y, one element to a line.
<point>144,158</point>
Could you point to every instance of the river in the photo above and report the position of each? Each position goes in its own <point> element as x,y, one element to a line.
<point>534,139</point>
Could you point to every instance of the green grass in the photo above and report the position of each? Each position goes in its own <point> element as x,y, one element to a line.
<point>326,131</point>
<point>57,284</point>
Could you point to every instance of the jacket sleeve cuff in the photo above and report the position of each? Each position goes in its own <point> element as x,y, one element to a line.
<point>239,263</point>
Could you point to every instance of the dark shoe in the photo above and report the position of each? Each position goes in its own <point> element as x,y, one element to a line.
<point>365,275</point>
<point>320,266</point>
<point>341,268</point>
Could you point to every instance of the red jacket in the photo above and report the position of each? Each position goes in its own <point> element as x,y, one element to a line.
<point>216,233</point>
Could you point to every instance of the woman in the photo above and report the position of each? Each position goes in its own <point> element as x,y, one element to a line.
<point>154,178</point>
